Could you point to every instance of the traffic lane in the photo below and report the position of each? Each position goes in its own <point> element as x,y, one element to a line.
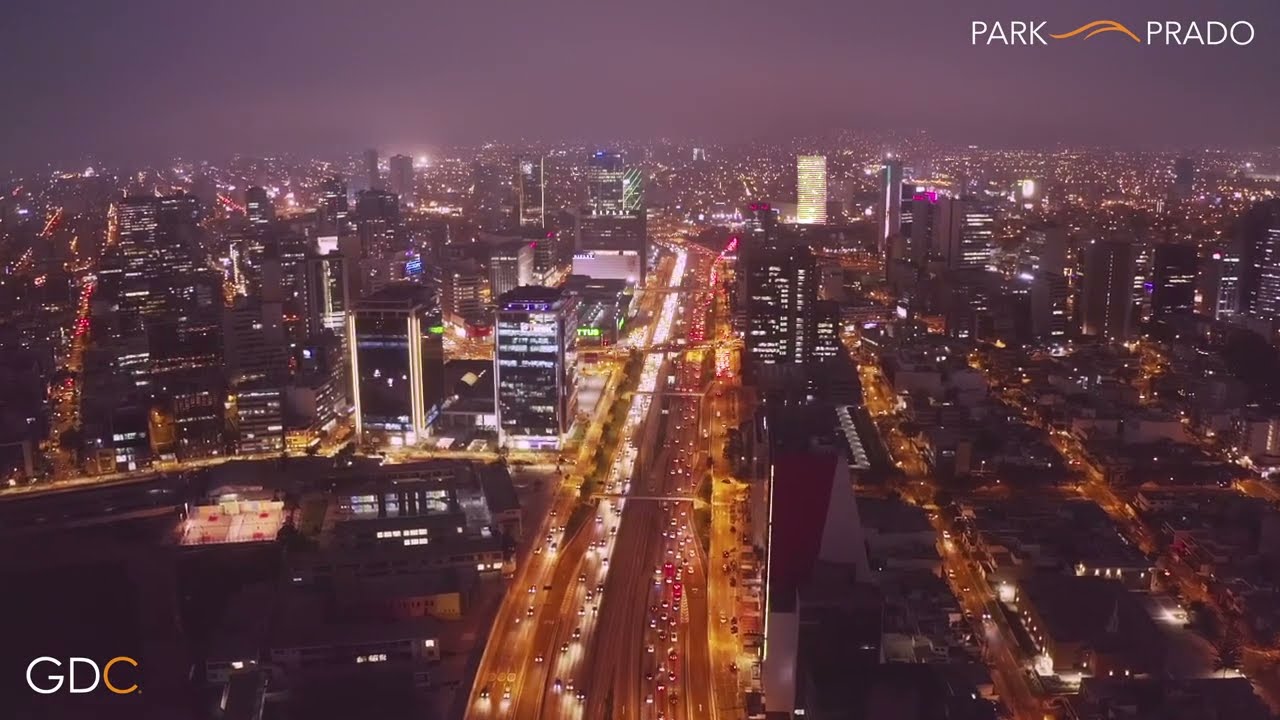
<point>510,623</point>
<point>533,676</point>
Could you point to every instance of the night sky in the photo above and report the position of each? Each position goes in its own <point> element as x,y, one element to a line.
<point>144,79</point>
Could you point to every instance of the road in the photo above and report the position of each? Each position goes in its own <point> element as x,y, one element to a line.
<point>536,661</point>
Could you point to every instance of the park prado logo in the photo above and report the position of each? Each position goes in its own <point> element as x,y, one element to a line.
<point>1209,33</point>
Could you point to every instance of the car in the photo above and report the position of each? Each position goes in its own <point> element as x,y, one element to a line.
<point>538,658</point>
<point>558,685</point>
<point>529,612</point>
<point>582,577</point>
<point>581,695</point>
<point>537,550</point>
<point>582,610</point>
<point>674,697</point>
<point>590,596</point>
<point>533,589</point>
<point>577,633</point>
<point>733,667</point>
<point>648,676</point>
<point>662,688</point>
<point>484,693</point>
<point>671,676</point>
<point>506,693</point>
<point>648,699</point>
<point>723,618</point>
<point>564,648</point>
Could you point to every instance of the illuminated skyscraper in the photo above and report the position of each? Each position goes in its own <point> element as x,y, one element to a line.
<point>606,190</point>
<point>890,209</point>
<point>258,206</point>
<point>397,363</point>
<point>966,233</point>
<point>533,367</point>
<point>1174,279</point>
<point>530,191</point>
<point>781,294</point>
<point>401,176</point>
<point>1107,299</point>
<point>1257,238</point>
<point>334,205</point>
<point>510,266</point>
<point>811,189</point>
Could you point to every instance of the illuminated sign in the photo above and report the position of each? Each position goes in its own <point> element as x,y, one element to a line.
<point>437,329</point>
<point>589,332</point>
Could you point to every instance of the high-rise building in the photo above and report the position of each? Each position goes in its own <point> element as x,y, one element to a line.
<point>254,339</point>
<point>890,206</point>
<point>1257,235</point>
<point>258,206</point>
<point>531,191</point>
<point>378,227</point>
<point>1107,298</point>
<point>510,266</point>
<point>397,363</point>
<point>1184,177</point>
<point>1220,288</point>
<point>259,404</point>
<point>612,247</point>
<point>156,252</point>
<point>966,231</point>
<point>463,292</point>
<point>1174,279</point>
<point>811,189</point>
<point>1049,298</point>
<point>334,205</point>
<point>1044,249</point>
<point>491,195</point>
<point>781,291</point>
<point>606,183</point>
<point>533,367</point>
<point>372,172</point>
<point>826,330</point>
<point>924,216</point>
<point>325,293</point>
<point>400,176</point>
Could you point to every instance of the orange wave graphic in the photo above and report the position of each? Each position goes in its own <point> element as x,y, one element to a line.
<point>1098,26</point>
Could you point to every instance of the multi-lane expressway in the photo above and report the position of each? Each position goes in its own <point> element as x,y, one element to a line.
<point>571,637</point>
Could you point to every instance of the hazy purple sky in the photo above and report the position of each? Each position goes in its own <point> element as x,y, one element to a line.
<point>147,79</point>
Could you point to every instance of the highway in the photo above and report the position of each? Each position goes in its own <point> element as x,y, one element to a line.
<point>538,655</point>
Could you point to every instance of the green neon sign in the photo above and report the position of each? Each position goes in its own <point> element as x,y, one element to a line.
<point>437,329</point>
<point>589,332</point>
